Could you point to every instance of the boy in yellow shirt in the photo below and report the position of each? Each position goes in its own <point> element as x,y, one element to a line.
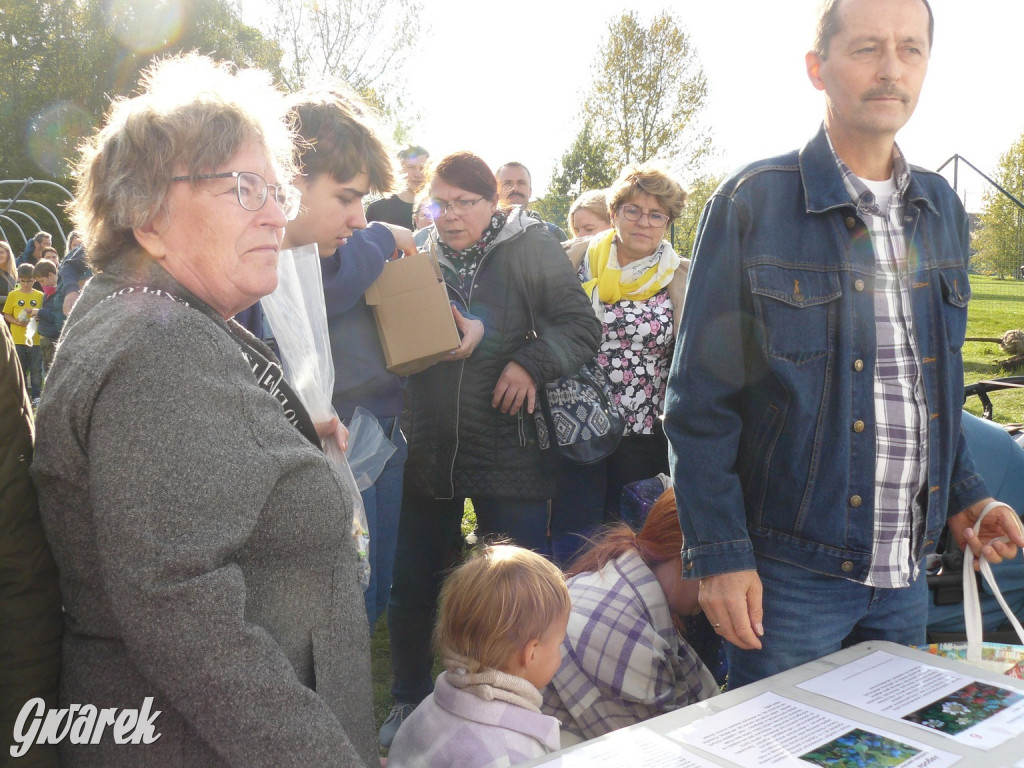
<point>20,309</point>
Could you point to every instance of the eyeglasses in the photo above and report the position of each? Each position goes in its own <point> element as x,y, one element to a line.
<point>252,191</point>
<point>438,208</point>
<point>632,213</point>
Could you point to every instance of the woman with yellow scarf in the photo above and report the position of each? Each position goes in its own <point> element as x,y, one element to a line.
<point>636,283</point>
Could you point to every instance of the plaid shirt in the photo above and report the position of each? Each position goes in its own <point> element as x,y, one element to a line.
<point>901,414</point>
<point>622,659</point>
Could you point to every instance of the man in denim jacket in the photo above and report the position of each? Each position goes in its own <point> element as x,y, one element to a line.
<point>814,402</point>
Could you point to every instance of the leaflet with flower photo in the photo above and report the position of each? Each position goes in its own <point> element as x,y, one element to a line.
<point>981,714</point>
<point>771,730</point>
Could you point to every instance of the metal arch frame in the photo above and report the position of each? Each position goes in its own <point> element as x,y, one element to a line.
<point>19,197</point>
<point>20,230</point>
<point>10,209</point>
<point>35,222</point>
<point>957,159</point>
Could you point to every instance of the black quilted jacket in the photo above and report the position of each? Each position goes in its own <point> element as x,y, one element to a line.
<point>458,444</point>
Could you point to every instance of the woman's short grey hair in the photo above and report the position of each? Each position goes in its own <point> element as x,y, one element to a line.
<point>647,178</point>
<point>190,116</point>
<point>593,200</point>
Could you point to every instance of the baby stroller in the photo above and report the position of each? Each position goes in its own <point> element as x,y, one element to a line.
<point>999,458</point>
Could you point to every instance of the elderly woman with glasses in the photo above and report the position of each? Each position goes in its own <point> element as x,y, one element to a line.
<point>208,573</point>
<point>636,283</point>
<point>468,422</point>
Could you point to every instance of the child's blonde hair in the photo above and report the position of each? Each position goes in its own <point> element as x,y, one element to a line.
<point>496,602</point>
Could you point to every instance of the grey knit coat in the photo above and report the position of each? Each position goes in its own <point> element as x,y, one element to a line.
<point>203,545</point>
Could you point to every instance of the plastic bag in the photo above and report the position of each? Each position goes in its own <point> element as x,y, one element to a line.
<point>998,657</point>
<point>368,448</point>
<point>30,332</point>
<point>298,318</point>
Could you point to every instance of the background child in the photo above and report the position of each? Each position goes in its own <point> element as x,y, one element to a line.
<point>51,318</point>
<point>500,626</point>
<point>21,307</point>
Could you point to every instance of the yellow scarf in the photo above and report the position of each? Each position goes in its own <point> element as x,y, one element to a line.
<point>606,274</point>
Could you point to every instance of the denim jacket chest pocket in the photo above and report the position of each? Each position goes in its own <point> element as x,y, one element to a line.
<point>956,294</point>
<point>796,310</point>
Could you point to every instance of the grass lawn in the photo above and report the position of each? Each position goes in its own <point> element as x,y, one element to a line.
<point>997,306</point>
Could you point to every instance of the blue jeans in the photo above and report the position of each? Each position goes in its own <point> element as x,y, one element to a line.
<point>808,615</point>
<point>383,502</point>
<point>429,543</point>
<point>591,495</point>
<point>31,368</point>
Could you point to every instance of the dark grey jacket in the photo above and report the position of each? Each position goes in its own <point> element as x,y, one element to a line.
<point>203,544</point>
<point>30,621</point>
<point>459,444</point>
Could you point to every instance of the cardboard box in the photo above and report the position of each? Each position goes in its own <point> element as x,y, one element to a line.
<point>414,316</point>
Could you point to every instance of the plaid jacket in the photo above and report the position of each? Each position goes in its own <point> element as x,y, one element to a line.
<point>623,661</point>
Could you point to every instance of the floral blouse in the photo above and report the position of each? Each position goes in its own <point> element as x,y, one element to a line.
<point>636,353</point>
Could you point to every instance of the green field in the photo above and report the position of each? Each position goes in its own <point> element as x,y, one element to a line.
<point>996,306</point>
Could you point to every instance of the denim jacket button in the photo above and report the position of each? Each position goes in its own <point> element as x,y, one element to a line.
<point>858,285</point>
<point>858,426</point>
<point>850,222</point>
<point>847,566</point>
<point>858,365</point>
<point>855,501</point>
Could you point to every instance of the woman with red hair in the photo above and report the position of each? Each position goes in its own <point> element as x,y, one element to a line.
<point>624,658</point>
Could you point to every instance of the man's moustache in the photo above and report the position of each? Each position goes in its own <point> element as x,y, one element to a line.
<point>886,93</point>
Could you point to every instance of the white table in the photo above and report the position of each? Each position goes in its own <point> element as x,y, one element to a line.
<point>1008,755</point>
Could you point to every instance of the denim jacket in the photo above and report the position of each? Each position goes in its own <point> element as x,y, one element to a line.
<point>770,409</point>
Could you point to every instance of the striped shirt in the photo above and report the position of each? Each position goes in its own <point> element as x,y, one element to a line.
<point>900,409</point>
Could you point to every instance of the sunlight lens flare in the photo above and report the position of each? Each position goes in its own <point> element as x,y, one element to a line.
<point>146,27</point>
<point>54,134</point>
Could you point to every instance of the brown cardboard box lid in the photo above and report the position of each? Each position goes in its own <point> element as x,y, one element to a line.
<point>413,315</point>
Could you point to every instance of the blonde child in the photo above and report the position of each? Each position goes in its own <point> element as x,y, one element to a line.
<point>500,627</point>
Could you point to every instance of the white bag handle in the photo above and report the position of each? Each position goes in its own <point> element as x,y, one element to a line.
<point>972,605</point>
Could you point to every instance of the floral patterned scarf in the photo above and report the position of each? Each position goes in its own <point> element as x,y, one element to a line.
<point>467,260</point>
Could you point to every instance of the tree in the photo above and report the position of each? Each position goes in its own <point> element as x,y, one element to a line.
<point>649,90</point>
<point>61,62</point>
<point>585,165</point>
<point>364,42</point>
<point>999,239</point>
<point>684,231</point>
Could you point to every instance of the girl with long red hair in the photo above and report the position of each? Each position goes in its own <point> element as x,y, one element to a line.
<point>624,658</point>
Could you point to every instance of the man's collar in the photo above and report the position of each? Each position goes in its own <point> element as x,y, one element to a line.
<point>822,181</point>
<point>859,192</point>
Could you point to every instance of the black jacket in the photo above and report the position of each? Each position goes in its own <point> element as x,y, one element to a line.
<point>459,445</point>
